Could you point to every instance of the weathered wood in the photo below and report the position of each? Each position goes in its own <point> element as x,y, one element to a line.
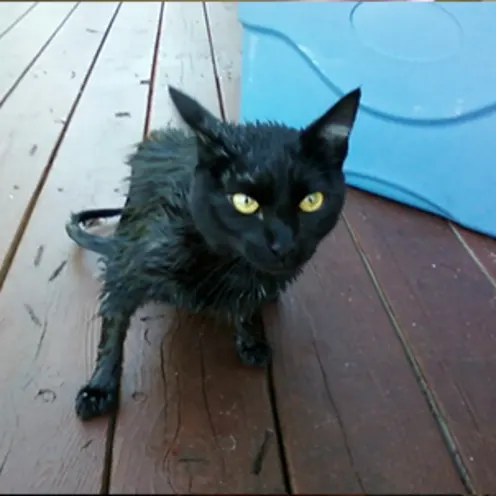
<point>20,46</point>
<point>33,117</point>
<point>11,13</point>
<point>445,307</point>
<point>225,34</point>
<point>481,248</point>
<point>48,329</point>
<point>192,418</point>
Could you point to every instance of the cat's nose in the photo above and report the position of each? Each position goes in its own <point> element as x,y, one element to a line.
<point>280,238</point>
<point>280,249</point>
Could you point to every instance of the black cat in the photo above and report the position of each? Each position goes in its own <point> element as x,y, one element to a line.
<point>220,221</point>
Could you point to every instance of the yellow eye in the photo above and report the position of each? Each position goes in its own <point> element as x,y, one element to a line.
<point>244,204</point>
<point>312,202</point>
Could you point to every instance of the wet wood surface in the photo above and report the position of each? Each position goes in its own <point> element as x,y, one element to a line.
<point>352,416</point>
<point>383,377</point>
<point>444,307</point>
<point>481,248</point>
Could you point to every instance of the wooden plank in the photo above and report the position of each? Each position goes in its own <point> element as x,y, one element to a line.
<point>11,13</point>
<point>481,248</point>
<point>445,307</point>
<point>48,329</point>
<point>192,417</point>
<point>32,119</point>
<point>23,44</point>
<point>225,34</point>
<point>351,414</point>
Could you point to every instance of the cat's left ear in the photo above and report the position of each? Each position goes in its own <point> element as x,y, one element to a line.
<point>201,121</point>
<point>328,135</point>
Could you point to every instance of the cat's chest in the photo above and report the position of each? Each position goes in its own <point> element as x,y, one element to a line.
<point>186,273</point>
<point>193,278</point>
<point>210,283</point>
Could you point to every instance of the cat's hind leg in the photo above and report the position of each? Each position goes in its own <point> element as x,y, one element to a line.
<point>101,394</point>
<point>251,344</point>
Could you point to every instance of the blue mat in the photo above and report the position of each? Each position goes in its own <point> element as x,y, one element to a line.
<point>426,131</point>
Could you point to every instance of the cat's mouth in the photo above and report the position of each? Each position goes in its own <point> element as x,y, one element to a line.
<point>276,269</point>
<point>265,262</point>
<point>280,271</point>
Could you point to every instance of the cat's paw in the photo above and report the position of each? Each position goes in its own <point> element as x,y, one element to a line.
<point>93,401</point>
<point>253,350</point>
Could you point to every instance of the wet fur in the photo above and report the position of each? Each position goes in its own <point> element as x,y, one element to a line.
<point>181,242</point>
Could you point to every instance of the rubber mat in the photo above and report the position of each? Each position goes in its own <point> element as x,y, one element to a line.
<point>426,130</point>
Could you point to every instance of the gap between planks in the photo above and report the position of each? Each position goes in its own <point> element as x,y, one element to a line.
<point>446,433</point>
<point>35,360</point>
<point>442,304</point>
<point>17,238</point>
<point>37,55</point>
<point>16,21</point>
<point>226,88</point>
<point>221,100</point>
<point>112,425</point>
<point>122,49</point>
<point>206,414</point>
<point>270,373</point>
<point>456,231</point>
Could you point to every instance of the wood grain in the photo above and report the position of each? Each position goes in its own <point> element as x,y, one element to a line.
<point>225,34</point>
<point>445,307</point>
<point>481,248</point>
<point>34,116</point>
<point>352,415</point>
<point>29,38</point>
<point>11,13</point>
<point>48,329</point>
<point>192,419</point>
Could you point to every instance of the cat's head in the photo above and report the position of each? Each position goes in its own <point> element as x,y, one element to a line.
<point>264,191</point>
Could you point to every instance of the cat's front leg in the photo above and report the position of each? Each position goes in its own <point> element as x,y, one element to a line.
<point>251,344</point>
<point>273,298</point>
<point>101,394</point>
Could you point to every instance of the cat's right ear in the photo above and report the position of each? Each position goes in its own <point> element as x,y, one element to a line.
<point>201,121</point>
<point>327,137</point>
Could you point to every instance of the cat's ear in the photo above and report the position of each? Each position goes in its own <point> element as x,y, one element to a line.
<point>327,137</point>
<point>202,122</point>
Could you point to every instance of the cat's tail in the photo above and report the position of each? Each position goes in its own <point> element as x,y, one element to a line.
<point>93,242</point>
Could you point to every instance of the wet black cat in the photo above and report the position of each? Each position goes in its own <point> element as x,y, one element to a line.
<point>220,221</point>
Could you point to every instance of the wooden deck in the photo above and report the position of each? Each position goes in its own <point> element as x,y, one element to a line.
<point>384,379</point>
